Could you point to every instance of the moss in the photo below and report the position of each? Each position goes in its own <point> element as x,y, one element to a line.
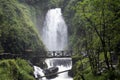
<point>15,70</point>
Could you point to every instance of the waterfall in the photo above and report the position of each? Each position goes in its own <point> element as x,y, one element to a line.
<point>54,34</point>
<point>65,62</point>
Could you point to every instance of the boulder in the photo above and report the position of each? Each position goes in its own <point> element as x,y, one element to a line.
<point>51,72</point>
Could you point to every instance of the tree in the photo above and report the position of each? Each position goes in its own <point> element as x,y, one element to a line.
<point>98,18</point>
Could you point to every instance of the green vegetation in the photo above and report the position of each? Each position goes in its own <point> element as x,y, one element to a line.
<point>18,69</point>
<point>17,31</point>
<point>82,71</point>
<point>94,31</point>
<point>18,34</point>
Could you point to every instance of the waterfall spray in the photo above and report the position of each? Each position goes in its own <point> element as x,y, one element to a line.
<point>55,33</point>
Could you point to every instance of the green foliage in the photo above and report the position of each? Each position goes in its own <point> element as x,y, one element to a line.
<point>93,27</point>
<point>84,69</point>
<point>15,70</point>
<point>18,32</point>
<point>93,22</point>
<point>55,3</point>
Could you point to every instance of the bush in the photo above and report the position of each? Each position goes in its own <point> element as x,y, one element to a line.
<point>12,69</point>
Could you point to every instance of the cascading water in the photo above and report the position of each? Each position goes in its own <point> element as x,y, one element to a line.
<point>55,31</point>
<point>63,64</point>
<point>54,36</point>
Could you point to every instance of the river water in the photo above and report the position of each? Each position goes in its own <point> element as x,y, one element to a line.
<point>55,38</point>
<point>62,63</point>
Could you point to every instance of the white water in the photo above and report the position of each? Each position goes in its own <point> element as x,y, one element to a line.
<point>55,33</point>
<point>54,36</point>
<point>38,72</point>
<point>63,64</point>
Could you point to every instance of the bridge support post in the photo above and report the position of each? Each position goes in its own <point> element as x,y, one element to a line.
<point>53,53</point>
<point>62,52</point>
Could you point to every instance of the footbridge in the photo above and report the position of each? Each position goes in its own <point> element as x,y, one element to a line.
<point>50,54</point>
<point>59,54</point>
